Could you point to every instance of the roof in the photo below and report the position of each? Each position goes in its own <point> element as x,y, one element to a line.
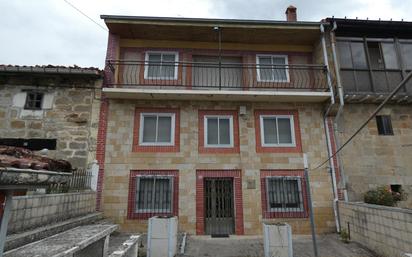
<point>203,29</point>
<point>51,69</point>
<point>372,28</point>
<point>22,158</point>
<point>212,21</point>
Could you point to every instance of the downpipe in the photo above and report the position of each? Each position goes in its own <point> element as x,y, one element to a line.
<point>340,110</point>
<point>327,134</point>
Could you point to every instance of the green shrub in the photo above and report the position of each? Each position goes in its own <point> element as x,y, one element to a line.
<point>344,236</point>
<point>381,196</point>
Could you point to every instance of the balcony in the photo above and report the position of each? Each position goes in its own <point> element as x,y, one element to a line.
<point>213,81</point>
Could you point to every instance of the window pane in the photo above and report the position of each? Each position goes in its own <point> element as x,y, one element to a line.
<point>283,194</point>
<point>212,134</point>
<point>285,134</point>
<point>168,58</point>
<point>149,129</point>
<point>376,60</point>
<point>168,66</point>
<point>265,72</point>
<point>269,131</point>
<point>224,131</point>
<point>279,72</point>
<point>275,192</point>
<point>344,54</point>
<point>145,194</point>
<point>407,55</point>
<point>358,55</point>
<point>162,200</point>
<point>292,193</point>
<point>153,70</point>
<point>389,55</point>
<point>164,129</point>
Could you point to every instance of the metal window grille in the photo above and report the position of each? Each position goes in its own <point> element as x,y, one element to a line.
<point>384,125</point>
<point>33,101</point>
<point>154,194</point>
<point>284,194</point>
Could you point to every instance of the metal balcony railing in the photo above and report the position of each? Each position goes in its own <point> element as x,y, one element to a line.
<point>215,76</point>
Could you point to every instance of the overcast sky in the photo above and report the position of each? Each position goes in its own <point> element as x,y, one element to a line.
<point>52,32</point>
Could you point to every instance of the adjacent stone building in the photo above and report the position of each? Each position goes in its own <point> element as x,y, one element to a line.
<point>51,107</point>
<point>208,119</point>
<point>374,56</point>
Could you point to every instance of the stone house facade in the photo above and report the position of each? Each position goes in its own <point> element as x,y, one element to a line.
<point>208,120</point>
<point>373,57</point>
<point>51,107</point>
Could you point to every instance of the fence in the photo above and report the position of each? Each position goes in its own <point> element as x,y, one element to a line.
<point>220,76</point>
<point>80,180</point>
<point>385,230</point>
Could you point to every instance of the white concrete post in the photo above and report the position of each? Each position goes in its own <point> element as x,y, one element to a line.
<point>95,172</point>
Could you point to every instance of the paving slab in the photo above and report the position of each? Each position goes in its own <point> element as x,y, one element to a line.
<point>252,246</point>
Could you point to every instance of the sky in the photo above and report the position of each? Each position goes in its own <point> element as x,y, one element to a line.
<point>41,32</point>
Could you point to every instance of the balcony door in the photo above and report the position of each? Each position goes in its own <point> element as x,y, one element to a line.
<point>208,75</point>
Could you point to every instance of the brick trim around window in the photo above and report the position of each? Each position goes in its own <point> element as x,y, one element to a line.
<point>200,200</point>
<point>267,214</point>
<point>201,144</point>
<point>278,149</point>
<point>131,202</point>
<point>148,148</point>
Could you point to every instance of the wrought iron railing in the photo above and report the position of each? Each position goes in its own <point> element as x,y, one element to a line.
<point>79,181</point>
<point>215,76</point>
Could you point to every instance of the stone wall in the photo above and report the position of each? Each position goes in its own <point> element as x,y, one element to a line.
<point>32,211</point>
<point>120,160</point>
<point>69,115</point>
<point>372,160</point>
<point>385,230</point>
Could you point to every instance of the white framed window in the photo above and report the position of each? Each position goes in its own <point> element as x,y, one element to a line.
<point>157,129</point>
<point>272,68</point>
<point>161,65</point>
<point>277,131</point>
<point>154,194</point>
<point>218,130</point>
<point>284,194</point>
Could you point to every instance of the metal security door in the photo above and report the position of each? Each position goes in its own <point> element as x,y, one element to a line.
<point>219,214</point>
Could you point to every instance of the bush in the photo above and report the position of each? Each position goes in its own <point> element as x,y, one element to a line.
<point>381,196</point>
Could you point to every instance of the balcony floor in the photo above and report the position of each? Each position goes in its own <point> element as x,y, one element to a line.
<point>216,95</point>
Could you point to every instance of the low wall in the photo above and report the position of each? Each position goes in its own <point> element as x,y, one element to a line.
<point>32,211</point>
<point>385,230</point>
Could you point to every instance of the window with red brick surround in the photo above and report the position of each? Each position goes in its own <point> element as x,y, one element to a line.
<point>260,148</point>
<point>155,148</point>
<point>200,197</point>
<point>284,212</point>
<point>132,209</point>
<point>235,131</point>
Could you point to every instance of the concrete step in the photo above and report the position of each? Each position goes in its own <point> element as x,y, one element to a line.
<point>16,240</point>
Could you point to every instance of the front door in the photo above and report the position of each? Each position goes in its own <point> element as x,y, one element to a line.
<point>219,214</point>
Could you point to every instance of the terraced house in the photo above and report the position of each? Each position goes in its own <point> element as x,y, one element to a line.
<point>208,119</point>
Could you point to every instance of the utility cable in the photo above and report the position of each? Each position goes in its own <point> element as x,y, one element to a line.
<point>389,97</point>
<point>85,15</point>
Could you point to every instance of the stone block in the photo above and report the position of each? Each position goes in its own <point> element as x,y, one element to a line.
<point>17,124</point>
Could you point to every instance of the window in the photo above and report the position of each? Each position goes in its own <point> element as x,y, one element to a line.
<point>218,131</point>
<point>284,194</point>
<point>384,125</point>
<point>277,130</point>
<point>161,65</point>
<point>157,128</point>
<point>352,55</point>
<point>154,194</point>
<point>406,52</point>
<point>272,68</point>
<point>34,101</point>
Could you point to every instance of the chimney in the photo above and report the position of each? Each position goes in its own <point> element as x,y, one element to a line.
<point>291,13</point>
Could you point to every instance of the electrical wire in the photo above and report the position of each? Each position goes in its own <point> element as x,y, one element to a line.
<point>85,15</point>
<point>365,123</point>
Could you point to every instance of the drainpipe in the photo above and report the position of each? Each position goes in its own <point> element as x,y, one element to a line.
<point>340,110</point>
<point>326,126</point>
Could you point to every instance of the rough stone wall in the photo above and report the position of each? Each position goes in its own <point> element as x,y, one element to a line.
<point>372,160</point>
<point>32,211</point>
<point>120,160</point>
<point>69,115</point>
<point>386,230</point>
